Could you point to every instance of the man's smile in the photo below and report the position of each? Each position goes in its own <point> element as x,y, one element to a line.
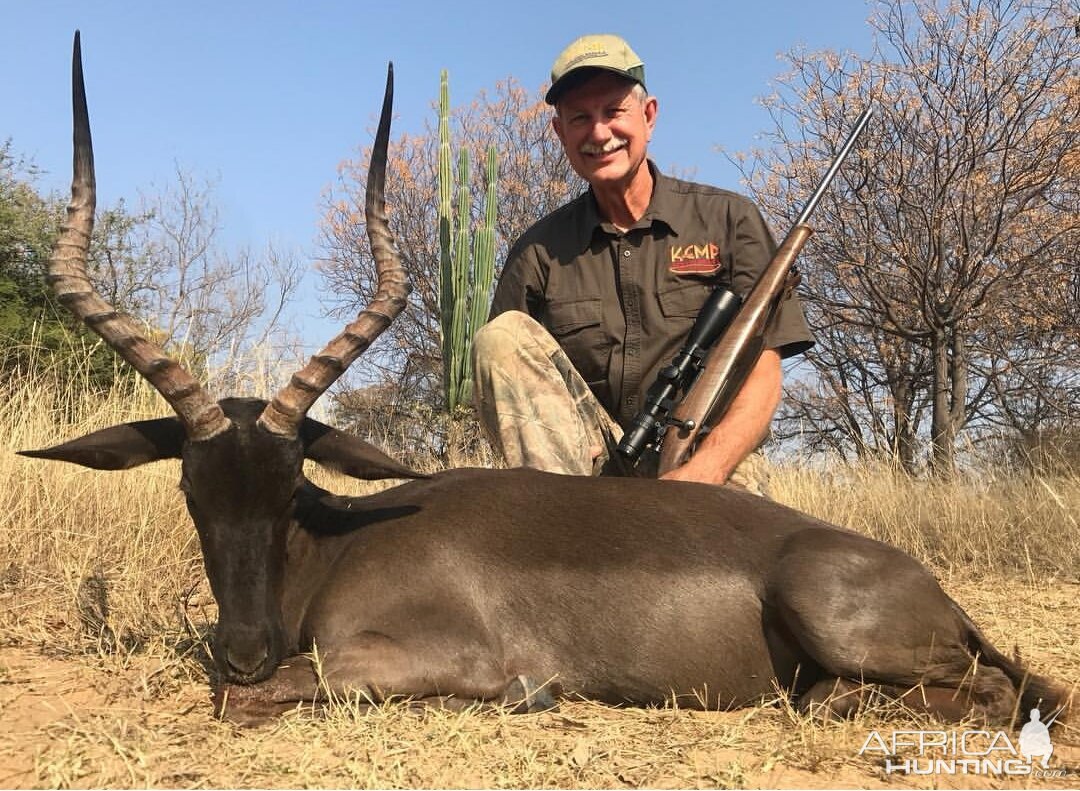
<point>612,146</point>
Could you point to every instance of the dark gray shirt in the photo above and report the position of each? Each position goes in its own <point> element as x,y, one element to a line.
<point>621,304</point>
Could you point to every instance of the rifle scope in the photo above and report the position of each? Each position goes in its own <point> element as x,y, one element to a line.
<point>649,424</point>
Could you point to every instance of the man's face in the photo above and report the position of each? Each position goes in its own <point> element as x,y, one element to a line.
<point>605,127</point>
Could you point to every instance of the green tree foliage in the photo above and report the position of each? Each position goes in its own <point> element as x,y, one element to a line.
<point>34,329</point>
<point>162,264</point>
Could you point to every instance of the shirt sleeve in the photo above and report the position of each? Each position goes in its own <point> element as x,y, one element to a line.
<point>520,285</point>
<point>788,332</point>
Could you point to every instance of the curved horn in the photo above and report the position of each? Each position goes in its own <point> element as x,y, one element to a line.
<point>286,411</point>
<point>200,414</point>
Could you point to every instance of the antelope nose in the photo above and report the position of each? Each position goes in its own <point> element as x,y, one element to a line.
<point>246,661</point>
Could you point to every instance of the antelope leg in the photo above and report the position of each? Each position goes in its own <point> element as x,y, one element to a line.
<point>372,668</point>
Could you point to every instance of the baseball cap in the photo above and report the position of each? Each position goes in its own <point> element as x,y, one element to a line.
<point>599,51</point>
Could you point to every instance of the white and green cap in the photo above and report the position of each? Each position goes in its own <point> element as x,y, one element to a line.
<point>602,51</point>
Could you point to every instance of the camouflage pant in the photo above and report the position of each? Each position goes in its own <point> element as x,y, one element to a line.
<point>538,412</point>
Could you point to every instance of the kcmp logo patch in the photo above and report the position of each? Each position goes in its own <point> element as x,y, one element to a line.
<point>695,259</point>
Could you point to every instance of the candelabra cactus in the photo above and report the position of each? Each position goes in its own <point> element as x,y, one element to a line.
<point>466,267</point>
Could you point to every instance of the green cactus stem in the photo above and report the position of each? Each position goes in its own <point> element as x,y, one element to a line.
<point>466,268</point>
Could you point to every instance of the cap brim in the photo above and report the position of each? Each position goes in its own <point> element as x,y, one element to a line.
<point>579,76</point>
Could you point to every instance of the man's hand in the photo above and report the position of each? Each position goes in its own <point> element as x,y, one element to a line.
<point>741,429</point>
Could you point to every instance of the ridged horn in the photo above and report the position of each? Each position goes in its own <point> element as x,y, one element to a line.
<point>284,414</point>
<point>200,414</point>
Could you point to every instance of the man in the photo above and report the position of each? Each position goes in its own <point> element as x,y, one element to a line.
<point>599,295</point>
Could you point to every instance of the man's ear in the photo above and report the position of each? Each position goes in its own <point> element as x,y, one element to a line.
<point>556,126</point>
<point>349,455</point>
<point>120,447</point>
<point>651,108</point>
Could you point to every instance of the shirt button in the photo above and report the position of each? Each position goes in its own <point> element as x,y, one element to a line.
<point>625,253</point>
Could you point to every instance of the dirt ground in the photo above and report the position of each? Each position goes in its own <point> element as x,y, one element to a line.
<point>144,719</point>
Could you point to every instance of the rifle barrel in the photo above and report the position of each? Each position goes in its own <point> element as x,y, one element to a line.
<point>860,122</point>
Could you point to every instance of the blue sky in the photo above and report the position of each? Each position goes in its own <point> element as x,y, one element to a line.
<point>267,98</point>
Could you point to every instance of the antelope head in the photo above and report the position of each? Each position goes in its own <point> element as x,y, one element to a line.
<point>241,459</point>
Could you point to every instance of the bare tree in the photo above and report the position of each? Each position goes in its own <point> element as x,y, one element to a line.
<point>166,263</point>
<point>950,232</point>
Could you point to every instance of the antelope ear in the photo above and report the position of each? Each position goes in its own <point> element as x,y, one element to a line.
<point>120,447</point>
<point>348,454</point>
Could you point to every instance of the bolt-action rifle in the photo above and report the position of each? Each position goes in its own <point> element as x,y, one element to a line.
<point>724,345</point>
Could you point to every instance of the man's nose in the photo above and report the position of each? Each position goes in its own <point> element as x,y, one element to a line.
<point>599,131</point>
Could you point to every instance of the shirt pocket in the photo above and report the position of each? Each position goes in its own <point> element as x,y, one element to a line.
<point>683,300</point>
<point>578,328</point>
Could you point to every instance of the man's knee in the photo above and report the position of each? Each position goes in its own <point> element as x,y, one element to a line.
<point>505,338</point>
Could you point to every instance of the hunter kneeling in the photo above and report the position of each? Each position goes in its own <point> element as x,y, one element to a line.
<point>598,296</point>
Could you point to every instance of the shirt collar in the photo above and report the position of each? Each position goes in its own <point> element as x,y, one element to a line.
<point>661,208</point>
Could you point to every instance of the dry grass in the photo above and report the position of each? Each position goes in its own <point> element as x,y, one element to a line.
<point>104,612</point>
<point>981,523</point>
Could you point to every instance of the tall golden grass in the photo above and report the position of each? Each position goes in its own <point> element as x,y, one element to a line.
<point>987,522</point>
<point>61,524</point>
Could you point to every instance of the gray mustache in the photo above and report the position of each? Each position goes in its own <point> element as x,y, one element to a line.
<point>611,145</point>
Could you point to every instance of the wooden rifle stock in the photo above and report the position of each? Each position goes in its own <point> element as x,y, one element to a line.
<point>733,356</point>
<point>736,352</point>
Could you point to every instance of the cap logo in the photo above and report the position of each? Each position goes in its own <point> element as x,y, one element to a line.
<point>587,55</point>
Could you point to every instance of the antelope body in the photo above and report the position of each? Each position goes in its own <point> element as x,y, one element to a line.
<point>513,586</point>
